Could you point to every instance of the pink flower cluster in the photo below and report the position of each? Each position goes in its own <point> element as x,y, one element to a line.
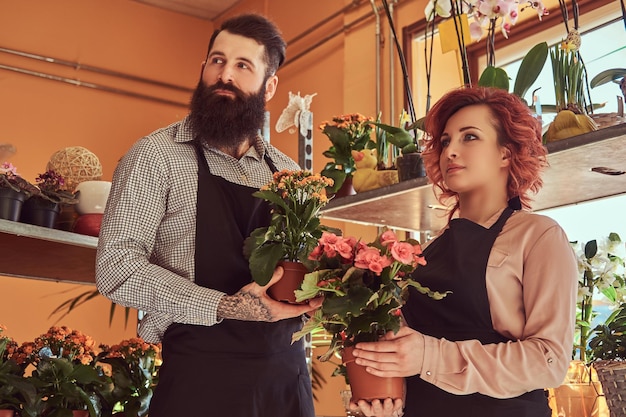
<point>375,257</point>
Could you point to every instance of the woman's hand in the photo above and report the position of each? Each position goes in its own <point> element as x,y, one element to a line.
<point>395,355</point>
<point>251,303</point>
<point>386,408</point>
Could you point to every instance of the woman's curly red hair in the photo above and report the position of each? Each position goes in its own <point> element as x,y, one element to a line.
<point>518,130</point>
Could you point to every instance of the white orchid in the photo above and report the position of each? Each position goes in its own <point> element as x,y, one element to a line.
<point>601,269</point>
<point>441,8</point>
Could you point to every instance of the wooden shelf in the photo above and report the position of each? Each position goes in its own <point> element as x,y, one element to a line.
<point>411,205</point>
<point>41,253</point>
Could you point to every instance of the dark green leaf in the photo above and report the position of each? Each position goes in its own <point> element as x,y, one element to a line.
<point>263,261</point>
<point>530,68</point>
<point>591,248</point>
<point>494,77</point>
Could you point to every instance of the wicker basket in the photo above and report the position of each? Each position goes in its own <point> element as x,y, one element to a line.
<point>612,376</point>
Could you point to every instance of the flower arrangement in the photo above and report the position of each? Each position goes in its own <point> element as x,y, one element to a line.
<point>295,198</point>
<point>134,364</point>
<point>66,375</point>
<point>346,133</point>
<point>52,188</point>
<point>364,286</point>
<point>601,268</point>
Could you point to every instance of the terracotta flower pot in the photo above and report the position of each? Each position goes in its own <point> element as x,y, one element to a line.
<point>7,413</point>
<point>80,413</point>
<point>293,276</point>
<point>366,386</point>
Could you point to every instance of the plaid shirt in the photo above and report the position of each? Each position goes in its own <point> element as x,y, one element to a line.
<point>145,256</point>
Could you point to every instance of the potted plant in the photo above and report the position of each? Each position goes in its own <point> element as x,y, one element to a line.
<point>608,354</point>
<point>66,376</point>
<point>43,207</point>
<point>409,163</point>
<point>346,133</point>
<point>17,395</point>
<point>14,190</point>
<point>134,365</point>
<point>364,286</point>
<point>601,273</point>
<point>295,198</point>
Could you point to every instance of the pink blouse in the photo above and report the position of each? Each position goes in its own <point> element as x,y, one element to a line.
<point>532,281</point>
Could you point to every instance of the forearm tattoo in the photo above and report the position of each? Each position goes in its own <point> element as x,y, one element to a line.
<point>243,306</point>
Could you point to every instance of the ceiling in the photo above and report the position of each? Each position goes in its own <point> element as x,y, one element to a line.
<point>204,9</point>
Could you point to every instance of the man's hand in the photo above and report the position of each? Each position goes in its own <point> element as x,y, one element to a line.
<point>377,408</point>
<point>251,303</point>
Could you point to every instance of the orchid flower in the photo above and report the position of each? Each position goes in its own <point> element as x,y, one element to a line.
<point>441,8</point>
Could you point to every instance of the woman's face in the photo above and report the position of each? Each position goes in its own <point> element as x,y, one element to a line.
<point>471,158</point>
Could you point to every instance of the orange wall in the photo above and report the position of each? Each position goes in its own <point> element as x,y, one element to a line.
<point>40,116</point>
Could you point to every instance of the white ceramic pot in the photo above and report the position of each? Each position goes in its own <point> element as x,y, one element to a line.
<point>92,197</point>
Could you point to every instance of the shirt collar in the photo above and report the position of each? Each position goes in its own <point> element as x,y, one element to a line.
<point>256,151</point>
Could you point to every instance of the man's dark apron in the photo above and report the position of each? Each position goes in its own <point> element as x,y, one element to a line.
<point>234,368</point>
<point>457,261</point>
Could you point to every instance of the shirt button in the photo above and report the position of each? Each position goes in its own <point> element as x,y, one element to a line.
<point>550,360</point>
<point>428,373</point>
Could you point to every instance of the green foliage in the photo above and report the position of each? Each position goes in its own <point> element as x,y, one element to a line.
<point>134,373</point>
<point>399,137</point>
<point>568,74</point>
<point>68,386</point>
<point>608,340</point>
<point>346,133</point>
<point>600,271</point>
<point>530,68</point>
<point>296,198</point>
<point>494,77</point>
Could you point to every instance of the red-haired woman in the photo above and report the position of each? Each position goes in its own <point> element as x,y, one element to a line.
<point>505,333</point>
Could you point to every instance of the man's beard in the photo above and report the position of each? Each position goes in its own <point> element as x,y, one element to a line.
<point>226,122</point>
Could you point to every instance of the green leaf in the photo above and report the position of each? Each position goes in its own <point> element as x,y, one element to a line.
<point>396,135</point>
<point>606,76</point>
<point>309,287</point>
<point>272,197</point>
<point>263,261</point>
<point>337,175</point>
<point>494,77</point>
<point>591,248</point>
<point>418,124</point>
<point>614,237</point>
<point>354,303</point>
<point>530,68</point>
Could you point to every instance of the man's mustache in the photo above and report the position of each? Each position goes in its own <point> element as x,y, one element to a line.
<point>219,85</point>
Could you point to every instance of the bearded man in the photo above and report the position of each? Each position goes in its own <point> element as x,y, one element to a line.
<point>172,235</point>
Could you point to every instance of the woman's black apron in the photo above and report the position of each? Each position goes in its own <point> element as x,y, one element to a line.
<point>457,261</point>
<point>234,368</point>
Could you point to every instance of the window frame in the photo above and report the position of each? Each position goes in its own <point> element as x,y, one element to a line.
<point>477,51</point>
